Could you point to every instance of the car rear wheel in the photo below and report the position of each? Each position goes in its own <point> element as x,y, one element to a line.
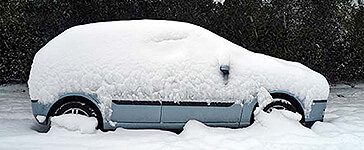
<point>77,108</point>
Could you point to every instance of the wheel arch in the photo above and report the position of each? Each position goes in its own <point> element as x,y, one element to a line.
<point>287,96</point>
<point>293,100</point>
<point>90,100</point>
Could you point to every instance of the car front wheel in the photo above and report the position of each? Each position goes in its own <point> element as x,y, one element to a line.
<point>280,104</point>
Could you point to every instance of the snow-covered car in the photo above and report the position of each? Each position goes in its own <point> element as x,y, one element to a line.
<point>160,74</point>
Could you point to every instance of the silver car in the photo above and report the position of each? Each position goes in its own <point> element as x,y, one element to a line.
<point>160,74</point>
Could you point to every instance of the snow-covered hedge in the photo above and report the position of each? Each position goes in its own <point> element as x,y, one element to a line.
<point>161,61</point>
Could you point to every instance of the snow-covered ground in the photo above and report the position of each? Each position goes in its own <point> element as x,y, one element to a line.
<point>343,128</point>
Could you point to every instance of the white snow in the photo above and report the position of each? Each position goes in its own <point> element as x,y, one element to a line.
<point>41,118</point>
<point>263,98</point>
<point>219,1</point>
<point>75,122</point>
<point>278,119</point>
<point>343,128</point>
<point>161,61</point>
<point>357,3</point>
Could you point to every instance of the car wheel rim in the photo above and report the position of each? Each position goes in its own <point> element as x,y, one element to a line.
<point>278,107</point>
<point>76,111</point>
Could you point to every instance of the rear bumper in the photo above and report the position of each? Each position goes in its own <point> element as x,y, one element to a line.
<point>40,111</point>
<point>317,112</point>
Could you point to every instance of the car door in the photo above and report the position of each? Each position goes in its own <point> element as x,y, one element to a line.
<point>215,113</point>
<point>128,111</point>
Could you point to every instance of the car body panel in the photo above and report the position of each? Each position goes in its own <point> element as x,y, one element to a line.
<point>317,110</point>
<point>170,112</point>
<point>127,114</point>
<point>247,112</point>
<point>170,125</point>
<point>207,113</point>
<point>40,109</point>
<point>43,109</point>
<point>133,113</point>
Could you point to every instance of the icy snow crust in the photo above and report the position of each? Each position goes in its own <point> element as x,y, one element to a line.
<point>162,61</point>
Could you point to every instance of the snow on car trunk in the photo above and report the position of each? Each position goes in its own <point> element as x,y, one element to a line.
<point>161,61</point>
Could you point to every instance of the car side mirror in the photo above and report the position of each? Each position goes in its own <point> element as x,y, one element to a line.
<point>225,70</point>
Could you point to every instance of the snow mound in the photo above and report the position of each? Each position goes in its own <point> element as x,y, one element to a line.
<point>278,122</point>
<point>219,1</point>
<point>263,97</point>
<point>194,128</point>
<point>73,122</point>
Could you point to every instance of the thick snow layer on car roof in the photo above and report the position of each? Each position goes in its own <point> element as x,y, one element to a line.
<point>162,60</point>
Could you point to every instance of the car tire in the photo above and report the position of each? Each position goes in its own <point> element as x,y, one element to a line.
<point>77,107</point>
<point>280,104</point>
<point>276,104</point>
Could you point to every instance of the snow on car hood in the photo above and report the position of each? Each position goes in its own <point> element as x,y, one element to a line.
<point>161,60</point>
